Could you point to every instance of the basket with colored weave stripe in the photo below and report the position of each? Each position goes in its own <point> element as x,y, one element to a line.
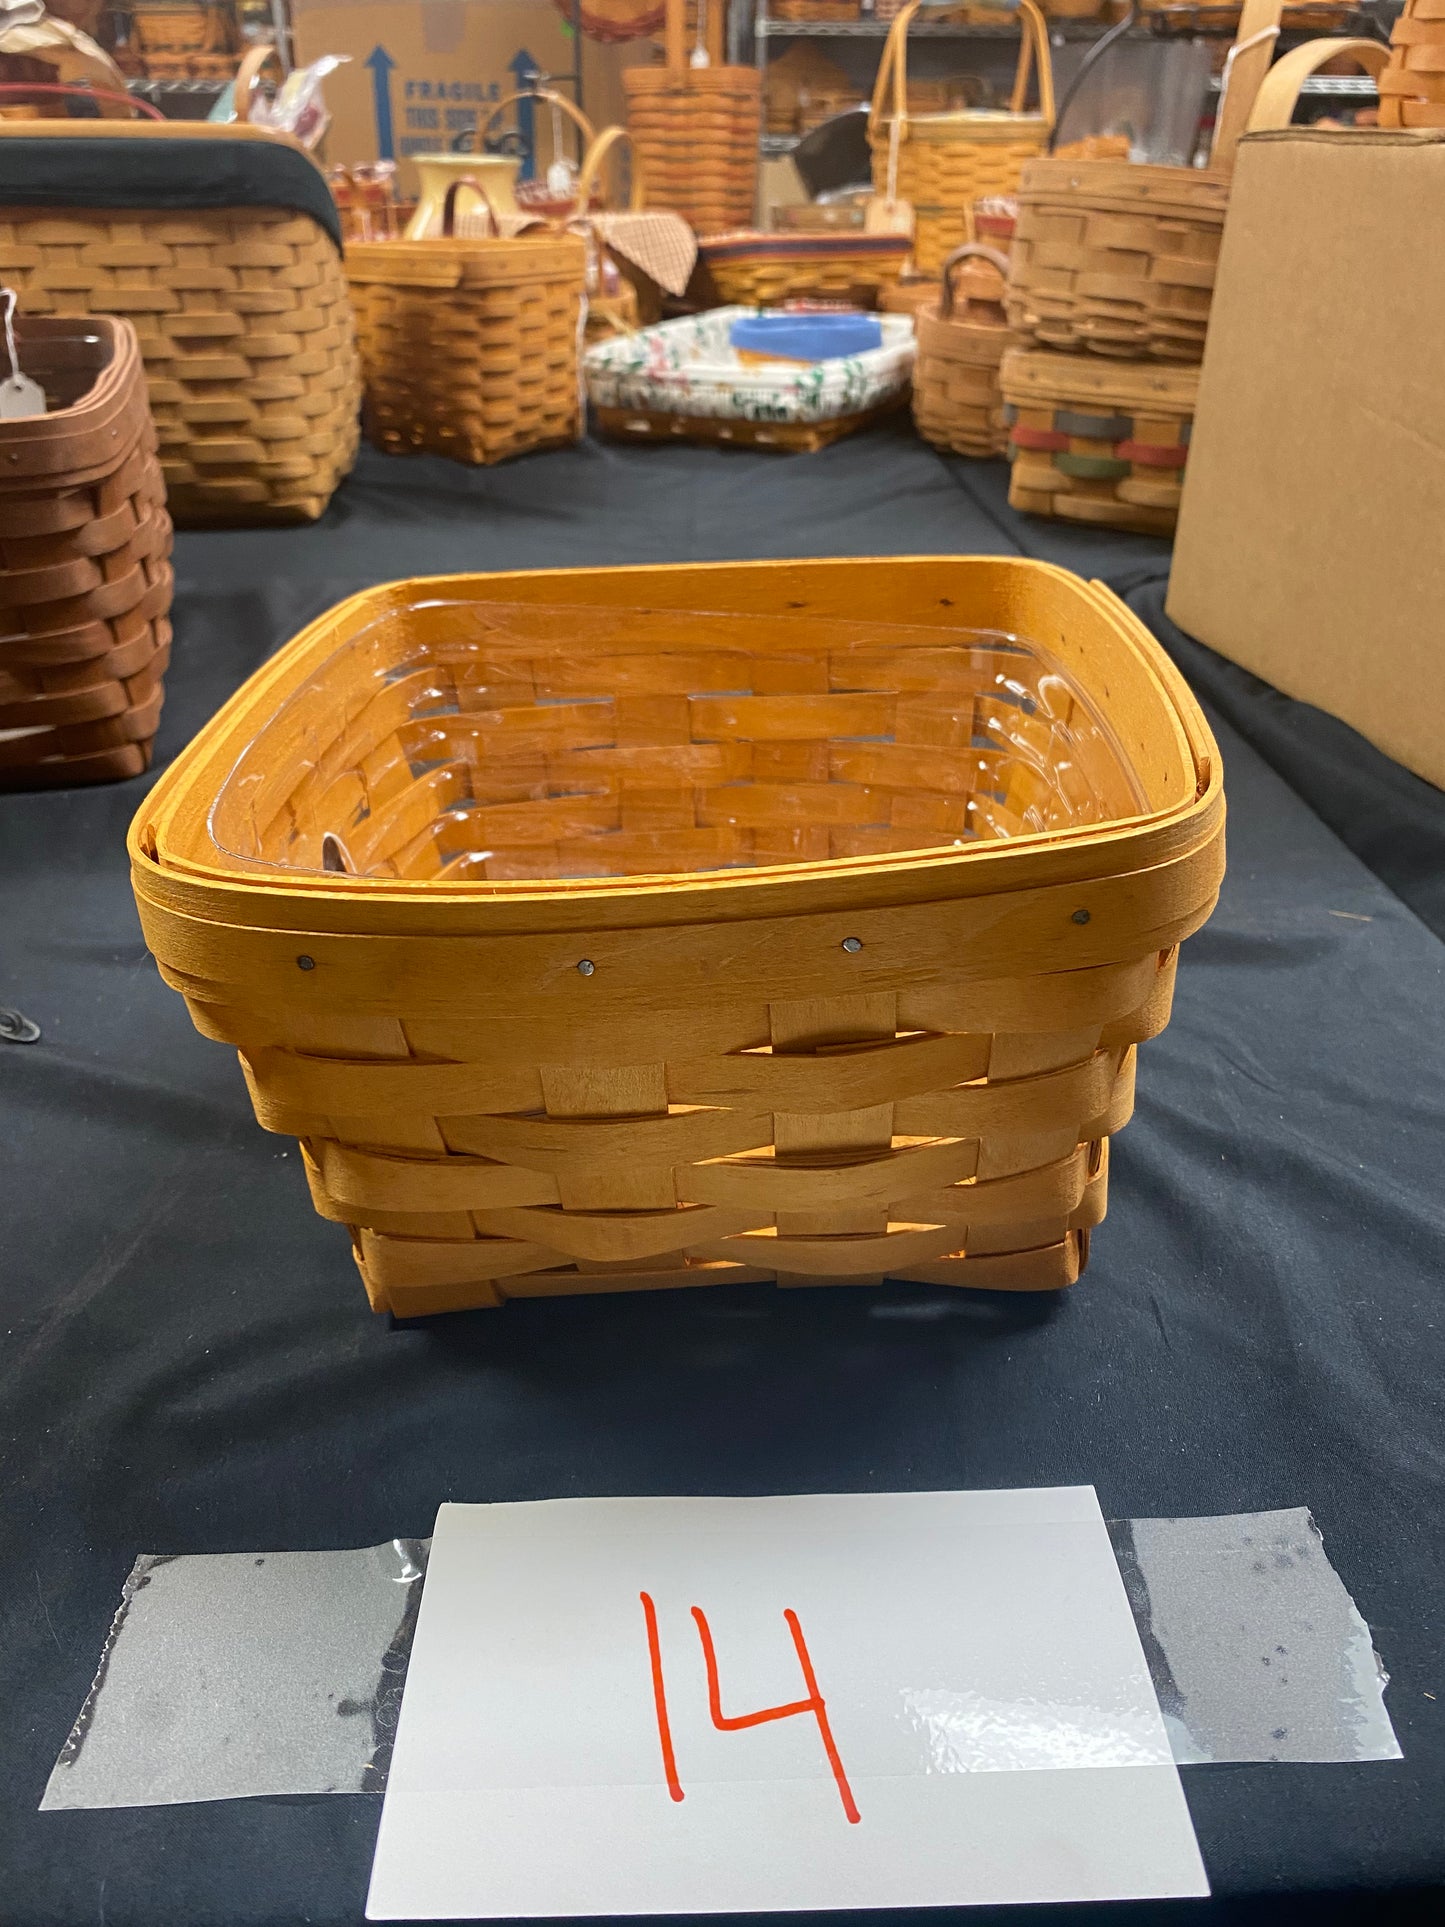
<point>1095,441</point>
<point>630,928</point>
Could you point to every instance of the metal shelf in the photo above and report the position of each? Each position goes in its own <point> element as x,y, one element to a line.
<point>1326,86</point>
<point>920,30</point>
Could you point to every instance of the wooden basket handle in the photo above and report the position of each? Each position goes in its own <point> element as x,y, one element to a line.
<point>1279,91</point>
<point>1033,50</point>
<point>591,170</point>
<point>248,75</point>
<point>971,250</point>
<point>674,36</point>
<point>553,99</point>
<point>1245,67</point>
<point>449,206</point>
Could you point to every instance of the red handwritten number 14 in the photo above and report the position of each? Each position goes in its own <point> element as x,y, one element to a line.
<point>735,1723</point>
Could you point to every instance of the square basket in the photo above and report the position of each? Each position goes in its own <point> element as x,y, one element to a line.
<point>626,928</point>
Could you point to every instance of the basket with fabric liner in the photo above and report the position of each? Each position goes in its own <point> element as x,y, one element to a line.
<point>626,928</point>
<point>683,380</point>
<point>1098,441</point>
<point>85,574</point>
<point>1120,257</point>
<point>938,165</point>
<point>221,244</point>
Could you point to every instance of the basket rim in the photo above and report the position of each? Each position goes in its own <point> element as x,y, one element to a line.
<point>177,868</point>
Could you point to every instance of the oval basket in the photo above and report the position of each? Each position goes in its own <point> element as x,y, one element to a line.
<point>588,942</point>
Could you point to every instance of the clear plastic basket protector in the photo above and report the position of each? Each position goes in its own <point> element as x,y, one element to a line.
<point>495,743</point>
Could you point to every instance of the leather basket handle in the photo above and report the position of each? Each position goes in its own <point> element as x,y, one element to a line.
<point>971,250</point>
<point>449,206</point>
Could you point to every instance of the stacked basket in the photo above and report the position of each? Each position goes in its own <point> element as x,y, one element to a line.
<point>1412,87</point>
<point>85,575</point>
<point>1114,264</point>
<point>696,130</point>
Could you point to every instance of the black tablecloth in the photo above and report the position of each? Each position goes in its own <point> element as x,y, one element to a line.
<point>189,1364</point>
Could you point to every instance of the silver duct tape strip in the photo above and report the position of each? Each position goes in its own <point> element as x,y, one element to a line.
<point>228,1675</point>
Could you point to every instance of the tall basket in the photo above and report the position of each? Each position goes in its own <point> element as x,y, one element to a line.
<point>695,129</point>
<point>940,164</point>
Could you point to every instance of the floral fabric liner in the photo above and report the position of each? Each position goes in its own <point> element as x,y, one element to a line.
<point>688,367</point>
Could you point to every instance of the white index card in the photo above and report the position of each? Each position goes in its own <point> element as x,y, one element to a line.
<point>633,1706</point>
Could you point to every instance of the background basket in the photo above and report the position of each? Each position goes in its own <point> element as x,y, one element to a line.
<point>469,347</point>
<point>85,575</point>
<point>962,336</point>
<point>696,130</point>
<point>940,164</point>
<point>1100,442</point>
<point>240,307</point>
<point>851,1063</point>
<point>755,269</point>
<point>682,381</point>
<point>1412,86</point>
<point>1121,258</point>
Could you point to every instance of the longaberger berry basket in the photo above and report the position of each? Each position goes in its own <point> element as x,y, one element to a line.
<point>624,928</point>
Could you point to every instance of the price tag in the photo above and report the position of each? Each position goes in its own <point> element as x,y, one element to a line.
<point>19,395</point>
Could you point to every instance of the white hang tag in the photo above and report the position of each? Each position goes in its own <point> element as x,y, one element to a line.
<point>19,395</point>
<point>700,57</point>
<point>560,177</point>
<point>882,216</point>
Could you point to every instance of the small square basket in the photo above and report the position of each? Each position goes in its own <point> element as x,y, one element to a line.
<point>629,928</point>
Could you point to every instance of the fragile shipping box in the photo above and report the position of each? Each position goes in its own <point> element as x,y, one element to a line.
<point>1311,544</point>
<point>422,72</point>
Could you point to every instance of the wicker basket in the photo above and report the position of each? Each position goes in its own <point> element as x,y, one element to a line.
<point>588,943</point>
<point>1412,86</point>
<point>469,347</point>
<point>962,336</point>
<point>683,381</point>
<point>696,131</point>
<point>807,11</point>
<point>940,164</point>
<point>1095,441</point>
<point>85,576</point>
<point>1121,258</point>
<point>753,269</point>
<point>241,310</point>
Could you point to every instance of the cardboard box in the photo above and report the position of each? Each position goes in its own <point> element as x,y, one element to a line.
<point>423,71</point>
<point>1311,544</point>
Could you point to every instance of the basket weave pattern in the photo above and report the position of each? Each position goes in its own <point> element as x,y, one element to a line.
<point>1116,257</point>
<point>247,335</point>
<point>470,348</point>
<point>85,585</point>
<point>835,270</point>
<point>615,1084</point>
<point>957,404</point>
<point>1412,87</point>
<point>696,136</point>
<point>1094,443</point>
